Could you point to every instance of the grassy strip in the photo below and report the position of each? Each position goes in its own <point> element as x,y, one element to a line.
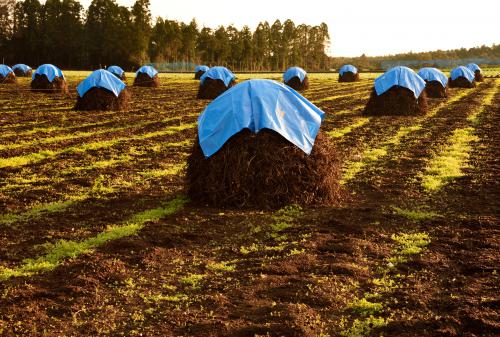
<point>71,249</point>
<point>358,123</point>
<point>333,98</point>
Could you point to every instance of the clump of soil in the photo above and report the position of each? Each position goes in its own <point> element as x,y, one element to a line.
<point>9,79</point>
<point>42,84</point>
<point>103,100</point>
<point>264,171</point>
<point>143,80</point>
<point>349,76</point>
<point>434,89</point>
<point>211,89</point>
<point>396,101</point>
<point>478,76</point>
<point>198,74</point>
<point>461,82</point>
<point>296,84</point>
<point>20,73</point>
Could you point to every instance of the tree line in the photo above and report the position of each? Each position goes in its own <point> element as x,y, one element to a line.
<point>62,32</point>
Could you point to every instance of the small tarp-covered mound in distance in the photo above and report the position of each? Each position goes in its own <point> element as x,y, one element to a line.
<point>7,75</point>
<point>348,73</point>
<point>102,91</point>
<point>478,74</point>
<point>259,146</point>
<point>436,83</point>
<point>118,72</point>
<point>462,77</point>
<point>215,81</point>
<point>400,91</point>
<point>296,78</point>
<point>49,79</point>
<point>199,71</point>
<point>147,76</point>
<point>22,70</point>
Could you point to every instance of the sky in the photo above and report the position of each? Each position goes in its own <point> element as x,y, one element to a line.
<point>375,28</point>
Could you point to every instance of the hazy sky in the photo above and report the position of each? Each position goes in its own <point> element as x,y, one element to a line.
<point>373,27</point>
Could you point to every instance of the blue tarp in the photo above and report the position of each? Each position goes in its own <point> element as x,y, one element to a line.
<point>23,67</point>
<point>473,67</point>
<point>292,72</point>
<point>201,68</point>
<point>401,76</point>
<point>101,79</point>
<point>48,70</point>
<point>347,68</point>
<point>152,72</point>
<point>116,70</point>
<point>257,105</point>
<point>433,74</point>
<point>462,72</point>
<point>5,70</point>
<point>219,73</point>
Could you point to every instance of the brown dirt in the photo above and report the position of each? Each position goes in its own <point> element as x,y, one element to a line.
<point>396,101</point>
<point>143,80</point>
<point>211,89</point>
<point>41,84</point>
<point>198,74</point>
<point>20,73</point>
<point>264,171</point>
<point>296,84</point>
<point>349,76</point>
<point>9,79</point>
<point>434,89</point>
<point>103,100</point>
<point>461,82</point>
<point>478,76</point>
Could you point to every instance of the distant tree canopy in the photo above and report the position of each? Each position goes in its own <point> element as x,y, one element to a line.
<point>63,33</point>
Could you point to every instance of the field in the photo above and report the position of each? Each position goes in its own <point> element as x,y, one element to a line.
<point>98,239</point>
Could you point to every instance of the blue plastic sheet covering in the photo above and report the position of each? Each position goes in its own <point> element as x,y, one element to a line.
<point>23,67</point>
<point>101,79</point>
<point>48,70</point>
<point>473,67</point>
<point>462,72</point>
<point>347,68</point>
<point>116,70</point>
<point>257,105</point>
<point>294,71</point>
<point>219,73</point>
<point>5,70</point>
<point>401,76</point>
<point>152,72</point>
<point>433,74</point>
<point>201,68</point>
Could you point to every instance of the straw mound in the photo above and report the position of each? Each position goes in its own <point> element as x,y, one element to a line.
<point>349,76</point>
<point>123,77</point>
<point>21,73</point>
<point>41,84</point>
<point>296,84</point>
<point>103,99</point>
<point>264,171</point>
<point>461,82</point>
<point>478,76</point>
<point>198,74</point>
<point>211,89</point>
<point>396,101</point>
<point>143,80</point>
<point>434,89</point>
<point>9,79</point>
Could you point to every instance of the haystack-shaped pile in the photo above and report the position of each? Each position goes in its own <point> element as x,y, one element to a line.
<point>462,77</point>
<point>258,146</point>
<point>49,79</point>
<point>348,73</point>
<point>436,83</point>
<point>7,75</point>
<point>22,70</point>
<point>400,91</point>
<point>147,76</point>
<point>478,75</point>
<point>199,71</point>
<point>215,81</point>
<point>102,91</point>
<point>118,72</point>
<point>296,78</point>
